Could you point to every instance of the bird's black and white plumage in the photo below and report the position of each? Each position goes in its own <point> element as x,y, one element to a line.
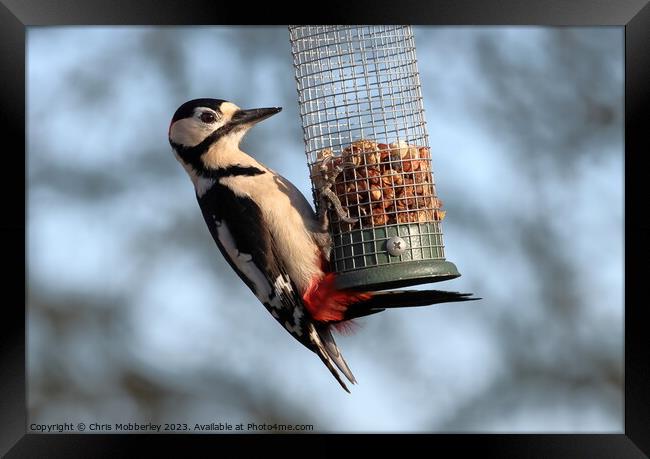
<point>268,232</point>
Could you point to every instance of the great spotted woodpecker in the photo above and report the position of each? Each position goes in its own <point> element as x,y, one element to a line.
<point>269,233</point>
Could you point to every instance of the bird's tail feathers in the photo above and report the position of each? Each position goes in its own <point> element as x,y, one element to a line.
<point>325,347</point>
<point>333,351</point>
<point>379,301</point>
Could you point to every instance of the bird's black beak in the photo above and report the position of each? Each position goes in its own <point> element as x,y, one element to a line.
<point>254,115</point>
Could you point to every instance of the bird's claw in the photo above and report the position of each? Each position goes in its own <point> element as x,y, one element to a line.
<point>328,195</point>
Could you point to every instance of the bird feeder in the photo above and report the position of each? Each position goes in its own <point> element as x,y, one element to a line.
<point>368,153</point>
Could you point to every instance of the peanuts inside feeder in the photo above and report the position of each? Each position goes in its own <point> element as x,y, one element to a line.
<point>368,152</point>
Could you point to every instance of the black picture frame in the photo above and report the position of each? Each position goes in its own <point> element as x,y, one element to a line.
<point>17,15</point>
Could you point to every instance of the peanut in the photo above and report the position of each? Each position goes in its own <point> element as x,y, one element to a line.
<point>382,183</point>
<point>399,149</point>
<point>375,193</point>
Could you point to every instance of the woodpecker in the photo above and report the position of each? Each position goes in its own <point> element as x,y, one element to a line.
<point>269,234</point>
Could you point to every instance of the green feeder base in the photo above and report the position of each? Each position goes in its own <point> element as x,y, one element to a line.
<point>397,275</point>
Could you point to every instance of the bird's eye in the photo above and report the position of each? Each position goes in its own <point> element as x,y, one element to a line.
<point>208,117</point>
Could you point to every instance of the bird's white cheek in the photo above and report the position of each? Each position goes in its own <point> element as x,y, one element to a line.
<point>189,132</point>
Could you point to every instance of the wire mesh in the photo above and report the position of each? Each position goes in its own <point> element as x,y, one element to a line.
<point>366,142</point>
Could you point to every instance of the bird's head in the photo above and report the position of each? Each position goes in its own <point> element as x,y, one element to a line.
<point>205,133</point>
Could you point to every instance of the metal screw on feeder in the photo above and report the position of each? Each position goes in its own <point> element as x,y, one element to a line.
<point>396,246</point>
<point>368,151</point>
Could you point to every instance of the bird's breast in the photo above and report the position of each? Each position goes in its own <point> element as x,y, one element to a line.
<point>288,222</point>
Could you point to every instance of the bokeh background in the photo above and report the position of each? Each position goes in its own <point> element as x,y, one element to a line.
<point>134,316</point>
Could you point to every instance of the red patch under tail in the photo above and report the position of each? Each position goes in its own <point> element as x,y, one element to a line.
<point>328,304</point>
<point>347,327</point>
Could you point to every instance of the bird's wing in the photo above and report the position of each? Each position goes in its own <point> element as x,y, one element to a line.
<point>237,226</point>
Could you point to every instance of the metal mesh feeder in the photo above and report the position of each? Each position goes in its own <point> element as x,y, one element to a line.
<point>368,152</point>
